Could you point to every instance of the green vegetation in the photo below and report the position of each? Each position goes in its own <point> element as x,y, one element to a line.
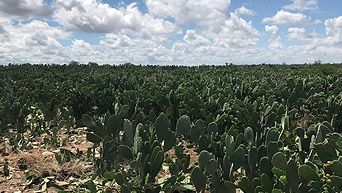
<point>267,128</point>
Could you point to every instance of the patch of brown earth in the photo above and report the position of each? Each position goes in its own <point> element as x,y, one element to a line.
<point>42,163</point>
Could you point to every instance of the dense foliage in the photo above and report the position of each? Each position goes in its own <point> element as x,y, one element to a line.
<point>267,128</point>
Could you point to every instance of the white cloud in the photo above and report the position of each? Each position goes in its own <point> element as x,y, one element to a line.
<point>244,11</point>
<point>334,26</point>
<point>84,52</point>
<point>218,35</point>
<point>317,21</point>
<point>216,22</point>
<point>80,48</point>
<point>274,36</point>
<point>2,30</point>
<point>193,38</point>
<point>35,41</point>
<point>300,35</point>
<point>235,32</point>
<point>302,5</point>
<point>92,16</point>
<point>286,18</point>
<point>206,13</point>
<point>120,48</point>
<point>24,9</point>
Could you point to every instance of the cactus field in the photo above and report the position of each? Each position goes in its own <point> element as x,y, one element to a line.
<point>127,128</point>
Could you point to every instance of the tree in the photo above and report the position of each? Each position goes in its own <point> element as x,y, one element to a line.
<point>74,63</point>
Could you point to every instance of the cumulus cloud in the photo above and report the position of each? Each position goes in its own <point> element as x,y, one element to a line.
<point>274,36</point>
<point>317,21</point>
<point>207,13</point>
<point>24,9</point>
<point>235,32</point>
<point>334,26</point>
<point>334,30</point>
<point>244,11</point>
<point>83,52</point>
<point>302,5</point>
<point>213,34</point>
<point>35,41</point>
<point>92,16</point>
<point>120,48</point>
<point>286,18</point>
<point>193,38</point>
<point>300,35</point>
<point>2,30</point>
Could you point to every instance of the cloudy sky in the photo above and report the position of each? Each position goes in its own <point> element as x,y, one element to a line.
<point>184,32</point>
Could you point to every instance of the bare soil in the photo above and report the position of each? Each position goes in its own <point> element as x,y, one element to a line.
<point>41,162</point>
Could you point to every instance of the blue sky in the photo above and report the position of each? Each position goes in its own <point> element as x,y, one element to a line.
<point>184,32</point>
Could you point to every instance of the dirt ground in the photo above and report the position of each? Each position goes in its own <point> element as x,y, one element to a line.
<point>41,162</point>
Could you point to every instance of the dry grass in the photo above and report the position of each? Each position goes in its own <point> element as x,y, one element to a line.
<point>44,163</point>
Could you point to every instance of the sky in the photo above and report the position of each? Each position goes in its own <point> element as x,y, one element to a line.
<point>171,32</point>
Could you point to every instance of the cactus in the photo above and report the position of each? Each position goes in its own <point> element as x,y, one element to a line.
<point>335,181</point>
<point>183,125</point>
<point>157,159</point>
<point>170,140</point>
<point>174,169</point>
<point>266,183</point>
<point>272,148</point>
<point>326,151</point>
<point>292,175</point>
<point>198,179</point>
<point>272,135</point>
<point>308,173</point>
<point>152,115</point>
<point>203,143</point>
<point>253,158</point>
<point>245,185</point>
<point>200,126</point>
<point>238,158</point>
<point>204,158</point>
<point>300,132</point>
<point>279,160</point>
<point>256,182</point>
<point>87,121</point>
<point>93,138</point>
<point>128,136</point>
<point>112,126</point>
<point>278,172</point>
<point>322,131</point>
<point>336,167</point>
<point>211,167</point>
<point>194,134</point>
<point>259,189</point>
<point>276,191</point>
<point>125,152</point>
<point>249,135</point>
<point>197,134</point>
<point>230,145</point>
<point>265,165</point>
<point>212,128</point>
<point>262,151</point>
<point>162,127</point>
<point>99,129</point>
<point>336,139</point>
